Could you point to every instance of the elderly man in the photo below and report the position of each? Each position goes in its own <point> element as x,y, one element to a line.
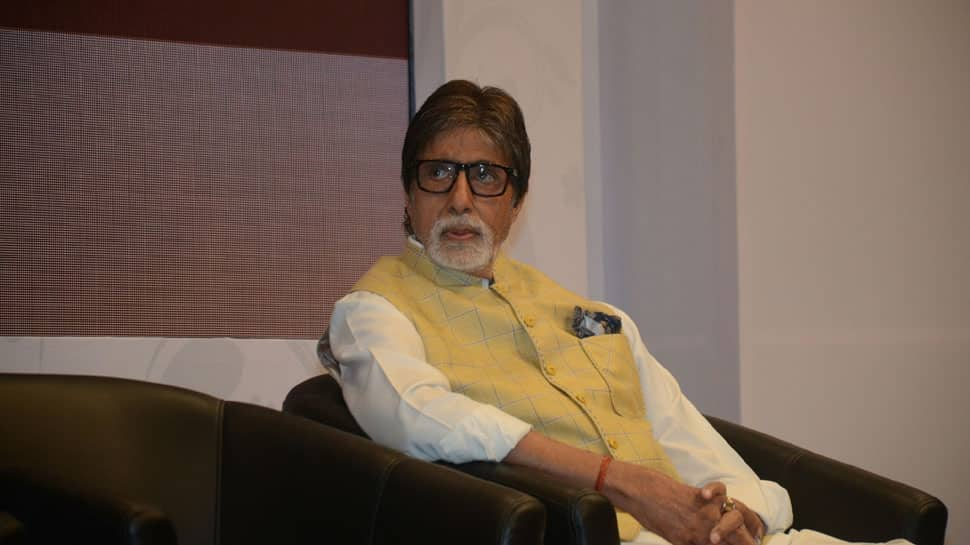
<point>452,351</point>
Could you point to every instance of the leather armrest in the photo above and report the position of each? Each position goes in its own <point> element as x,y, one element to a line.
<point>348,489</point>
<point>458,507</point>
<point>574,515</point>
<point>320,399</point>
<point>57,510</point>
<point>837,498</point>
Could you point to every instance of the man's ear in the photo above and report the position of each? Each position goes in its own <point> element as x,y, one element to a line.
<point>516,208</point>
<point>408,228</point>
<point>408,201</point>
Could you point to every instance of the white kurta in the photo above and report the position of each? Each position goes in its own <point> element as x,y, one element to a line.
<point>403,402</point>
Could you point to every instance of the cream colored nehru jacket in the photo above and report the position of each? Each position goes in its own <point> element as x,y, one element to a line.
<point>511,346</point>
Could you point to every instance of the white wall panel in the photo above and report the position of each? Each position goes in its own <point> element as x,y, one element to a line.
<point>259,371</point>
<point>853,185</point>
<point>666,87</point>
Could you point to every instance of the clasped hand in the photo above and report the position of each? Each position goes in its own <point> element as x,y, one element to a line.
<point>682,514</point>
<point>738,526</point>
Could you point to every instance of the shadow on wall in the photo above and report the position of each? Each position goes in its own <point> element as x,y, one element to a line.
<point>214,366</point>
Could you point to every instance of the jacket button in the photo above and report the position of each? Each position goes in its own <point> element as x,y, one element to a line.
<point>529,321</point>
<point>612,443</point>
<point>550,370</point>
<point>581,398</point>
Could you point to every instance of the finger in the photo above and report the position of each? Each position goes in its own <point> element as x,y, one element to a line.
<point>739,537</point>
<point>752,522</point>
<point>727,525</point>
<point>713,490</point>
<point>731,531</point>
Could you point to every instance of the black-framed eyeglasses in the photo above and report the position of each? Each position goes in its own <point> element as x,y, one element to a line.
<point>484,179</point>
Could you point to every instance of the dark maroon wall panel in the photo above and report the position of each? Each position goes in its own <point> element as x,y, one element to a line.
<point>360,27</point>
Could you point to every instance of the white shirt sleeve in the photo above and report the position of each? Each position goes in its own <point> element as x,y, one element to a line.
<point>401,400</point>
<point>695,448</point>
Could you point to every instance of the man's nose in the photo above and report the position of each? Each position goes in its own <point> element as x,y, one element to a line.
<point>460,197</point>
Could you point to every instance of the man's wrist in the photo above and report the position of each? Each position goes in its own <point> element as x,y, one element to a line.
<point>601,477</point>
<point>626,484</point>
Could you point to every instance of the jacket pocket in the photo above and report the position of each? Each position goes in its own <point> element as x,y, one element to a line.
<point>612,358</point>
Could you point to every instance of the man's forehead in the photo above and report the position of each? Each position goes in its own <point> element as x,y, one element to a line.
<point>465,138</point>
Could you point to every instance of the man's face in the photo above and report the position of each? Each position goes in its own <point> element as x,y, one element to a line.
<point>459,229</point>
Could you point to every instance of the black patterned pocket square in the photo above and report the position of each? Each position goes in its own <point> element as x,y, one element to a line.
<point>588,324</point>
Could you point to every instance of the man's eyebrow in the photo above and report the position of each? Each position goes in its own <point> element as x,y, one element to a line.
<point>472,162</point>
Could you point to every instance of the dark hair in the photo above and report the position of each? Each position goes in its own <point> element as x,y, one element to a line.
<point>463,104</point>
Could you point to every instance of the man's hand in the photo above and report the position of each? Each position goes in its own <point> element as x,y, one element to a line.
<point>682,514</point>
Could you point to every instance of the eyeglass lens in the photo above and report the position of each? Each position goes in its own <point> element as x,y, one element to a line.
<point>483,179</point>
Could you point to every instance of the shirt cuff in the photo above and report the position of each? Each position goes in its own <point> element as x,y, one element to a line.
<point>766,498</point>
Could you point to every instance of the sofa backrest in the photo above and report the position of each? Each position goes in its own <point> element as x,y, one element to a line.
<point>136,440</point>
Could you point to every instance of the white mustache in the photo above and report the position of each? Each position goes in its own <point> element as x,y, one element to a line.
<point>455,223</point>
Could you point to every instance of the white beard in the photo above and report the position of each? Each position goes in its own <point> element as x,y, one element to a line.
<point>464,255</point>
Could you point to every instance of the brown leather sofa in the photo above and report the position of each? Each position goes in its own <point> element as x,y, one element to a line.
<point>105,460</point>
<point>827,495</point>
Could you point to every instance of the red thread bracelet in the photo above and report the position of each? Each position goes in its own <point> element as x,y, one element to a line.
<point>602,474</point>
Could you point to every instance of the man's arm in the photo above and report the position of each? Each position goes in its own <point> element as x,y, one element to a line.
<point>403,402</point>
<point>680,513</point>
